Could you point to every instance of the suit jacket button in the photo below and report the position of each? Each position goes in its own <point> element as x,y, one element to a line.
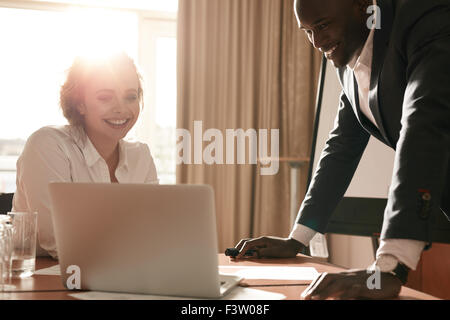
<point>426,196</point>
<point>425,205</point>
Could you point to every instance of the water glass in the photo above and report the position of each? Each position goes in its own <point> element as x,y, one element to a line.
<point>6,234</point>
<point>24,243</point>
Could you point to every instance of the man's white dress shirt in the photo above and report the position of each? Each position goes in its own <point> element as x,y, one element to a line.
<point>65,154</point>
<point>405,250</point>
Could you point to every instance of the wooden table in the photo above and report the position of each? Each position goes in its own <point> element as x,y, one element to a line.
<point>46,287</point>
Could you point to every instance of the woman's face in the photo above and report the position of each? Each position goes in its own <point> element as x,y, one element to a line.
<point>111,104</point>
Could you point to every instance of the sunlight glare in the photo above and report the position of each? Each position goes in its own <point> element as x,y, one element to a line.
<point>100,32</point>
<point>41,47</point>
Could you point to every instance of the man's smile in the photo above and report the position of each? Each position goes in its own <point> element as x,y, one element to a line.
<point>330,53</point>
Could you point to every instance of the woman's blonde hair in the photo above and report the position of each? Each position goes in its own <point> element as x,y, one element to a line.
<point>72,91</point>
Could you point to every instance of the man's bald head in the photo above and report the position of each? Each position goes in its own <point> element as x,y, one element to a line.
<point>343,4</point>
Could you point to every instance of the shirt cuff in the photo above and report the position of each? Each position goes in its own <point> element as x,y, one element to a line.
<point>302,234</point>
<point>407,251</point>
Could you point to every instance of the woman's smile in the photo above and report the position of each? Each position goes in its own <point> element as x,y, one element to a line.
<point>118,123</point>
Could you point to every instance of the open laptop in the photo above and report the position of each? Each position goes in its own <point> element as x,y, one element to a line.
<point>139,238</point>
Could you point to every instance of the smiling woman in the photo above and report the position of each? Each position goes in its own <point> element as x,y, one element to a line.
<point>103,96</point>
<point>37,46</point>
<point>101,100</point>
<point>40,39</point>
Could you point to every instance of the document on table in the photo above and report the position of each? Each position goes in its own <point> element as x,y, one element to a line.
<point>272,273</point>
<point>247,272</point>
<point>237,293</point>
<point>51,271</point>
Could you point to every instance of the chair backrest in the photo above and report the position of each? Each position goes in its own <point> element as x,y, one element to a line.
<point>6,202</point>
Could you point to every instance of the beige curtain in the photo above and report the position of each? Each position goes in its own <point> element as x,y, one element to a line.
<point>245,64</point>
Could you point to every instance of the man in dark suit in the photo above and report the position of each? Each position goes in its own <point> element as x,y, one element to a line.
<point>395,76</point>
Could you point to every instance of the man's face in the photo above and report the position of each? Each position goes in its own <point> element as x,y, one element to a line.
<point>335,27</point>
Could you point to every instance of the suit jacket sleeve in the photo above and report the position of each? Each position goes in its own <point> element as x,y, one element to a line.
<point>337,165</point>
<point>422,151</point>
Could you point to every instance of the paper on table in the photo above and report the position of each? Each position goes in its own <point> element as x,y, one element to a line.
<point>247,272</point>
<point>237,293</point>
<point>272,273</point>
<point>51,271</point>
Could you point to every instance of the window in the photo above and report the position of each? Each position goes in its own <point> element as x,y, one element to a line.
<point>159,71</point>
<point>38,45</point>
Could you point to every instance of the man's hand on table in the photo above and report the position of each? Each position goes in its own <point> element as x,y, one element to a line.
<point>352,284</point>
<point>269,247</point>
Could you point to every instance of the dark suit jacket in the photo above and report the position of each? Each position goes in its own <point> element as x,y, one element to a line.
<point>410,100</point>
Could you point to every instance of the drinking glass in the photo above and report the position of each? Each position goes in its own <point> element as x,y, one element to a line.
<point>24,243</point>
<point>6,234</point>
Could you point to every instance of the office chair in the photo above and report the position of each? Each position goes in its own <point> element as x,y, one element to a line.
<point>6,202</point>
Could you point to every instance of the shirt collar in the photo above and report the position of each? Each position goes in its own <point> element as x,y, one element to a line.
<point>123,155</point>
<point>365,57</point>
<point>91,154</point>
